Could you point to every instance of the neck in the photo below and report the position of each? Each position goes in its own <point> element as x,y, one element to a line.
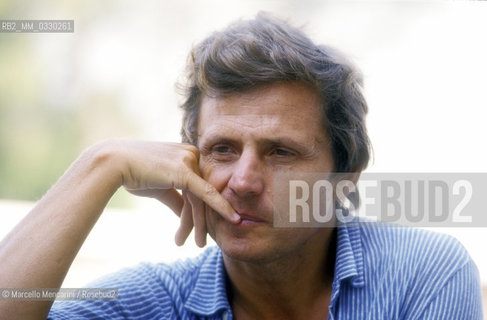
<point>293,286</point>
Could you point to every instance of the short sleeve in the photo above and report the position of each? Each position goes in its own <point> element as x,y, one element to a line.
<point>460,298</point>
<point>141,295</point>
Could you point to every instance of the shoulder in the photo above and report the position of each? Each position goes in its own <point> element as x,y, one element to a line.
<point>412,250</point>
<point>145,291</point>
<point>414,271</point>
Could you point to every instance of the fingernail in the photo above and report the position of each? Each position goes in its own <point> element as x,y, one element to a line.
<point>178,243</point>
<point>177,239</point>
<point>236,217</point>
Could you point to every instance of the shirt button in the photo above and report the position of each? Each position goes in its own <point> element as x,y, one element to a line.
<point>225,315</point>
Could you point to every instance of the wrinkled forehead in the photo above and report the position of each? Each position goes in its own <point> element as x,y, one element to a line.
<point>289,107</point>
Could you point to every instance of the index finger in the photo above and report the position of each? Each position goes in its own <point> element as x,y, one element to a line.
<point>208,193</point>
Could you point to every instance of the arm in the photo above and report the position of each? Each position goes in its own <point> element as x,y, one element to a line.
<point>38,252</point>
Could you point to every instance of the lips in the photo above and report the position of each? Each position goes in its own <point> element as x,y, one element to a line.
<point>247,218</point>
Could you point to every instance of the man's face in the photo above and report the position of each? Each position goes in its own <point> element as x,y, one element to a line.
<point>246,138</point>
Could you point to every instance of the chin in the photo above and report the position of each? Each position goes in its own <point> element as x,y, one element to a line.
<point>259,242</point>
<point>244,250</point>
<point>252,247</point>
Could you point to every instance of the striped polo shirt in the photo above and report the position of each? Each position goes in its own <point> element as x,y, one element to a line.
<point>380,273</point>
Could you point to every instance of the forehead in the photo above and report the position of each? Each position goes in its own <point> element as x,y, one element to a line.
<point>291,108</point>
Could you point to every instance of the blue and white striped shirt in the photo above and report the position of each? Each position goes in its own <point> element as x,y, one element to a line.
<point>380,273</point>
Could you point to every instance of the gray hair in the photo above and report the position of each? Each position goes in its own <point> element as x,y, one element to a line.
<point>250,53</point>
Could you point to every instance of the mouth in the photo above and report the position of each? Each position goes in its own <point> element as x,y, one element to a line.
<point>249,220</point>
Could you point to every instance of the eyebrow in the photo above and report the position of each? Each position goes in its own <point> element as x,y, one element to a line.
<point>267,142</point>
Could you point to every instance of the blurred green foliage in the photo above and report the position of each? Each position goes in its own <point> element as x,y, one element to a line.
<point>43,126</point>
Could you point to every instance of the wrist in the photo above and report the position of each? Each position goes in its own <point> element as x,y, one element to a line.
<point>106,159</point>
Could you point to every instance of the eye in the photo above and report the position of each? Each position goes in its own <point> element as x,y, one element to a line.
<point>221,149</point>
<point>280,152</point>
<point>222,152</point>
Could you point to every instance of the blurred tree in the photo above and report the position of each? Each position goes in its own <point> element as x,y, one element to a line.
<point>39,137</point>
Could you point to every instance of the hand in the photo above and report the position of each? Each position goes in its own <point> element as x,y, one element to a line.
<point>157,170</point>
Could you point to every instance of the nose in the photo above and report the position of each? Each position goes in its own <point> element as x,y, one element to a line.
<point>247,178</point>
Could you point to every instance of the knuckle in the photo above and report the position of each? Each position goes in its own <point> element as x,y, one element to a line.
<point>189,159</point>
<point>195,151</point>
<point>192,148</point>
<point>182,179</point>
<point>210,191</point>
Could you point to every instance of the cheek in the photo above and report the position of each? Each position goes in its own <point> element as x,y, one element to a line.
<point>217,176</point>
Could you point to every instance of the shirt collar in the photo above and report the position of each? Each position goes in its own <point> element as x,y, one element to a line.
<point>349,263</point>
<point>209,295</point>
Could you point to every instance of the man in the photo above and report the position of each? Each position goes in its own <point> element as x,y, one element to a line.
<point>262,99</point>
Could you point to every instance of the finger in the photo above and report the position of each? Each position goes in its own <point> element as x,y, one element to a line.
<point>171,198</point>
<point>185,224</point>
<point>199,220</point>
<point>208,193</point>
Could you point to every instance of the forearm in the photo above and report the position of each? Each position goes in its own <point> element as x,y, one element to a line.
<point>38,252</point>
<point>41,248</point>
